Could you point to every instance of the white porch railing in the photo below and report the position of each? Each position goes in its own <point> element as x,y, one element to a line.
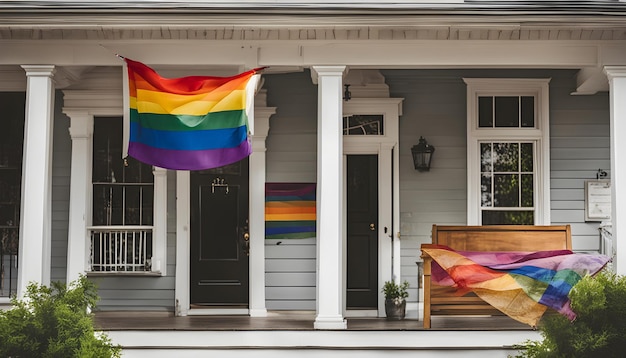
<point>606,241</point>
<point>121,249</point>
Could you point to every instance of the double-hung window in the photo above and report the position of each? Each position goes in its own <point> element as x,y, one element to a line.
<point>508,148</point>
<point>122,231</point>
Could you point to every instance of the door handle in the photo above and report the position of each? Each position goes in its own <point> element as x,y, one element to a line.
<point>246,245</point>
<point>373,227</point>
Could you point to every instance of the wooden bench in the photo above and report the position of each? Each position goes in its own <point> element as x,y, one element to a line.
<point>441,300</point>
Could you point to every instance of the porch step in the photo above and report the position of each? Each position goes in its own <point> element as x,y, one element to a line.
<point>278,344</point>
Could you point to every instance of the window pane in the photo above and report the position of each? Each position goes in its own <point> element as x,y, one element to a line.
<point>485,112</point>
<point>137,172</point>
<point>147,199</point>
<point>507,111</point>
<point>486,158</point>
<point>132,210</point>
<point>506,190</point>
<point>107,149</point>
<point>527,157</point>
<point>123,189</point>
<point>527,190</point>
<point>363,125</point>
<point>100,205</point>
<point>115,215</point>
<point>485,190</point>
<point>508,218</point>
<point>528,111</point>
<point>506,157</point>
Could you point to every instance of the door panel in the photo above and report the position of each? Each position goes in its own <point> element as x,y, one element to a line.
<point>362,232</point>
<point>219,236</point>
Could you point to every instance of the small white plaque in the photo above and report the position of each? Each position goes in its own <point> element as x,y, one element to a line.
<point>597,200</point>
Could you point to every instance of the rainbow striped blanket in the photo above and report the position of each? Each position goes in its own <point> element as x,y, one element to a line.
<point>523,285</point>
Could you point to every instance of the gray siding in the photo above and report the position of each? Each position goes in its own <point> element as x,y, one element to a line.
<point>434,107</point>
<point>580,141</point>
<point>291,157</point>
<point>61,159</point>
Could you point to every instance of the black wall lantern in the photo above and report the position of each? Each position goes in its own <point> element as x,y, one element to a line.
<point>422,155</point>
<point>347,95</point>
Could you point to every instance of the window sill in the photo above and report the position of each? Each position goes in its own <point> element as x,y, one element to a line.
<point>125,274</point>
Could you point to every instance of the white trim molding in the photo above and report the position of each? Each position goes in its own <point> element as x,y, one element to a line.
<point>386,147</point>
<point>617,93</point>
<point>539,134</point>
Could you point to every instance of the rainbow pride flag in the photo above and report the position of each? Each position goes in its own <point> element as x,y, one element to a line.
<point>289,210</point>
<point>189,123</point>
<point>520,284</point>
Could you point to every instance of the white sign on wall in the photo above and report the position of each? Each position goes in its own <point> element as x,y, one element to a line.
<point>597,200</point>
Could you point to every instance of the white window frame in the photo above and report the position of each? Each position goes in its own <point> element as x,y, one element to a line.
<point>82,106</point>
<point>539,135</point>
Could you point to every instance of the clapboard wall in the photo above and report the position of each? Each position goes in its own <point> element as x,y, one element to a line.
<point>61,159</point>
<point>290,277</point>
<point>580,145</point>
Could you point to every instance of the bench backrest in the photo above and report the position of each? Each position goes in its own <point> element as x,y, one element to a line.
<point>503,237</point>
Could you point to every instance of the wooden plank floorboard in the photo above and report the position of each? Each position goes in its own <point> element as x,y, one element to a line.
<point>115,321</point>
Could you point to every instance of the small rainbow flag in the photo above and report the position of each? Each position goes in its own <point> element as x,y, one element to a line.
<point>520,284</point>
<point>289,210</point>
<point>189,123</point>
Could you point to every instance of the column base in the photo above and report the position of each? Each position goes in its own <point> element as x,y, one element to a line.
<point>330,322</point>
<point>258,312</point>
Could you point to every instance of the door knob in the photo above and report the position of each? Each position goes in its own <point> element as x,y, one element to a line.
<point>372,226</point>
<point>246,245</point>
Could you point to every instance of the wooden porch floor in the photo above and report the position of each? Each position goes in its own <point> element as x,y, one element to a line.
<point>290,321</point>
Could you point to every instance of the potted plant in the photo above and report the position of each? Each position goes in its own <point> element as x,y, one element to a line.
<point>395,299</point>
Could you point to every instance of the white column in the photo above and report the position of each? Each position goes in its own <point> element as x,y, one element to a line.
<point>159,232</point>
<point>35,217</point>
<point>257,306</point>
<point>81,131</point>
<point>617,93</point>
<point>182,242</point>
<point>329,198</point>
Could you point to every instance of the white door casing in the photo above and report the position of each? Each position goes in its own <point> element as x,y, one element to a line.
<point>386,147</point>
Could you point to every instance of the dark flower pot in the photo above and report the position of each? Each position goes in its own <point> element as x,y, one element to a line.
<point>395,311</point>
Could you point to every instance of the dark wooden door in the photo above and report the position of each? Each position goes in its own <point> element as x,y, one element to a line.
<point>362,232</point>
<point>219,236</point>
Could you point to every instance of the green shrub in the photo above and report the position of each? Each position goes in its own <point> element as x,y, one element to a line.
<point>54,322</point>
<point>599,329</point>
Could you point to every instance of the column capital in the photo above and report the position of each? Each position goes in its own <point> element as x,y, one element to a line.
<point>615,72</point>
<point>158,171</point>
<point>81,123</point>
<point>334,70</point>
<point>39,70</point>
<point>262,117</point>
